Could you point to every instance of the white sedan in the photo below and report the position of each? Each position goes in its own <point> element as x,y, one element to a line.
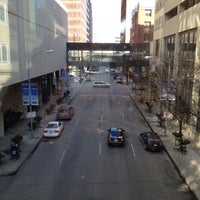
<point>53,129</point>
<point>101,84</point>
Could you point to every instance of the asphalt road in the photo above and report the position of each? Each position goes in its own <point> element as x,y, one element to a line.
<point>79,165</point>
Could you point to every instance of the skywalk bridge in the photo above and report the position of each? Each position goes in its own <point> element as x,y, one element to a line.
<point>103,54</point>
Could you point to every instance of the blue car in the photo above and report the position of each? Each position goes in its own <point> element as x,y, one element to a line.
<point>116,136</point>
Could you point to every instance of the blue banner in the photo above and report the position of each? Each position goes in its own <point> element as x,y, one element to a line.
<point>33,97</point>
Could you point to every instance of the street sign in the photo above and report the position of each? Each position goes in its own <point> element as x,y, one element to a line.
<point>168,115</point>
<point>31,114</point>
<point>33,97</point>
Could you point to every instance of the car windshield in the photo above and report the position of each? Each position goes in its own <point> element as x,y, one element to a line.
<point>115,133</point>
<point>151,137</point>
<point>52,126</point>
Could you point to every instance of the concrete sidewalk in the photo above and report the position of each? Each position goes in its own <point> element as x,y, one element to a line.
<point>30,140</point>
<point>187,165</point>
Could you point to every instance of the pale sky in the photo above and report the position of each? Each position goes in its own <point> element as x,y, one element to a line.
<point>106,20</point>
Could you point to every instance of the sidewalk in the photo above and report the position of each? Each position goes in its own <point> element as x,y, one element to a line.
<point>187,165</point>
<point>30,140</point>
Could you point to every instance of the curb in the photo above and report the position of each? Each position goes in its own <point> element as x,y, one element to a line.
<point>167,152</point>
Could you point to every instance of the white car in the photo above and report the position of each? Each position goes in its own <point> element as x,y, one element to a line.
<point>169,97</point>
<point>53,129</point>
<point>101,84</point>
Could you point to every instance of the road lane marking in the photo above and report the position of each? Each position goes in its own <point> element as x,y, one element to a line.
<point>101,117</point>
<point>62,156</point>
<point>122,115</point>
<point>100,148</point>
<point>77,121</point>
<point>133,151</point>
<point>100,131</point>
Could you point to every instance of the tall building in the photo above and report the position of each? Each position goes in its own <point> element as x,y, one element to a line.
<point>176,45</point>
<point>126,15</point>
<point>143,23</point>
<point>79,20</point>
<point>30,31</point>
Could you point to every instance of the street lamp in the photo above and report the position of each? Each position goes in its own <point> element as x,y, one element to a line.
<point>29,83</point>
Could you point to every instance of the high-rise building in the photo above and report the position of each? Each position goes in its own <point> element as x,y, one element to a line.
<point>126,14</point>
<point>79,20</point>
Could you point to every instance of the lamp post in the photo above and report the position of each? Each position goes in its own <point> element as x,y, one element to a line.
<point>29,83</point>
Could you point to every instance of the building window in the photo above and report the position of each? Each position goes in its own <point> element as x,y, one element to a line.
<point>3,13</point>
<point>187,44</point>
<point>4,55</point>
<point>148,12</point>
<point>147,25</point>
<point>146,37</point>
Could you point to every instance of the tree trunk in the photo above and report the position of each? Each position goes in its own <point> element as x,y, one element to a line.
<point>198,122</point>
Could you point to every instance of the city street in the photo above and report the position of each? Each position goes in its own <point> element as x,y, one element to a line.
<point>80,165</point>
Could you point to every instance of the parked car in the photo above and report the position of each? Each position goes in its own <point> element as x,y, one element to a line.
<point>53,129</point>
<point>119,79</point>
<point>116,136</point>
<point>169,97</point>
<point>65,113</point>
<point>88,78</point>
<point>115,76</point>
<point>101,84</point>
<point>151,141</point>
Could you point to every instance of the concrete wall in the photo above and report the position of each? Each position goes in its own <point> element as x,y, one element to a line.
<point>33,26</point>
<point>28,28</point>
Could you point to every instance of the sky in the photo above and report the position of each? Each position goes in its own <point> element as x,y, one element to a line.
<point>106,20</point>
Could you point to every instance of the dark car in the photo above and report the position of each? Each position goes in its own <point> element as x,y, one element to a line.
<point>116,136</point>
<point>119,79</point>
<point>151,141</point>
<point>65,112</point>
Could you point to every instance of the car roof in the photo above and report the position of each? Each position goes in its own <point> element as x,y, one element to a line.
<point>113,129</point>
<point>151,135</point>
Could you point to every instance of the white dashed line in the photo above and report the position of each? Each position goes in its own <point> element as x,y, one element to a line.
<point>133,151</point>
<point>62,156</point>
<point>100,148</point>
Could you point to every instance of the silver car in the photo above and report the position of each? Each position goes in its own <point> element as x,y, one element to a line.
<point>101,84</point>
<point>53,129</point>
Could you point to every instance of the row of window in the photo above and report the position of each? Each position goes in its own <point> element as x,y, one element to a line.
<point>187,41</point>
<point>3,13</point>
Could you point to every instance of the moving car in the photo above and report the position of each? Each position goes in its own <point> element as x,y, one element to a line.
<point>101,84</point>
<point>65,112</point>
<point>53,129</point>
<point>116,136</point>
<point>151,141</point>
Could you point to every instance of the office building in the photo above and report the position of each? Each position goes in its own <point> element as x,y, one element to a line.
<point>32,47</point>
<point>79,20</point>
<point>176,47</point>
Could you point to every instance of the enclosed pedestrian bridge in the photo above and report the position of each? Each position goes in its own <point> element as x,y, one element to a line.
<point>102,54</point>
